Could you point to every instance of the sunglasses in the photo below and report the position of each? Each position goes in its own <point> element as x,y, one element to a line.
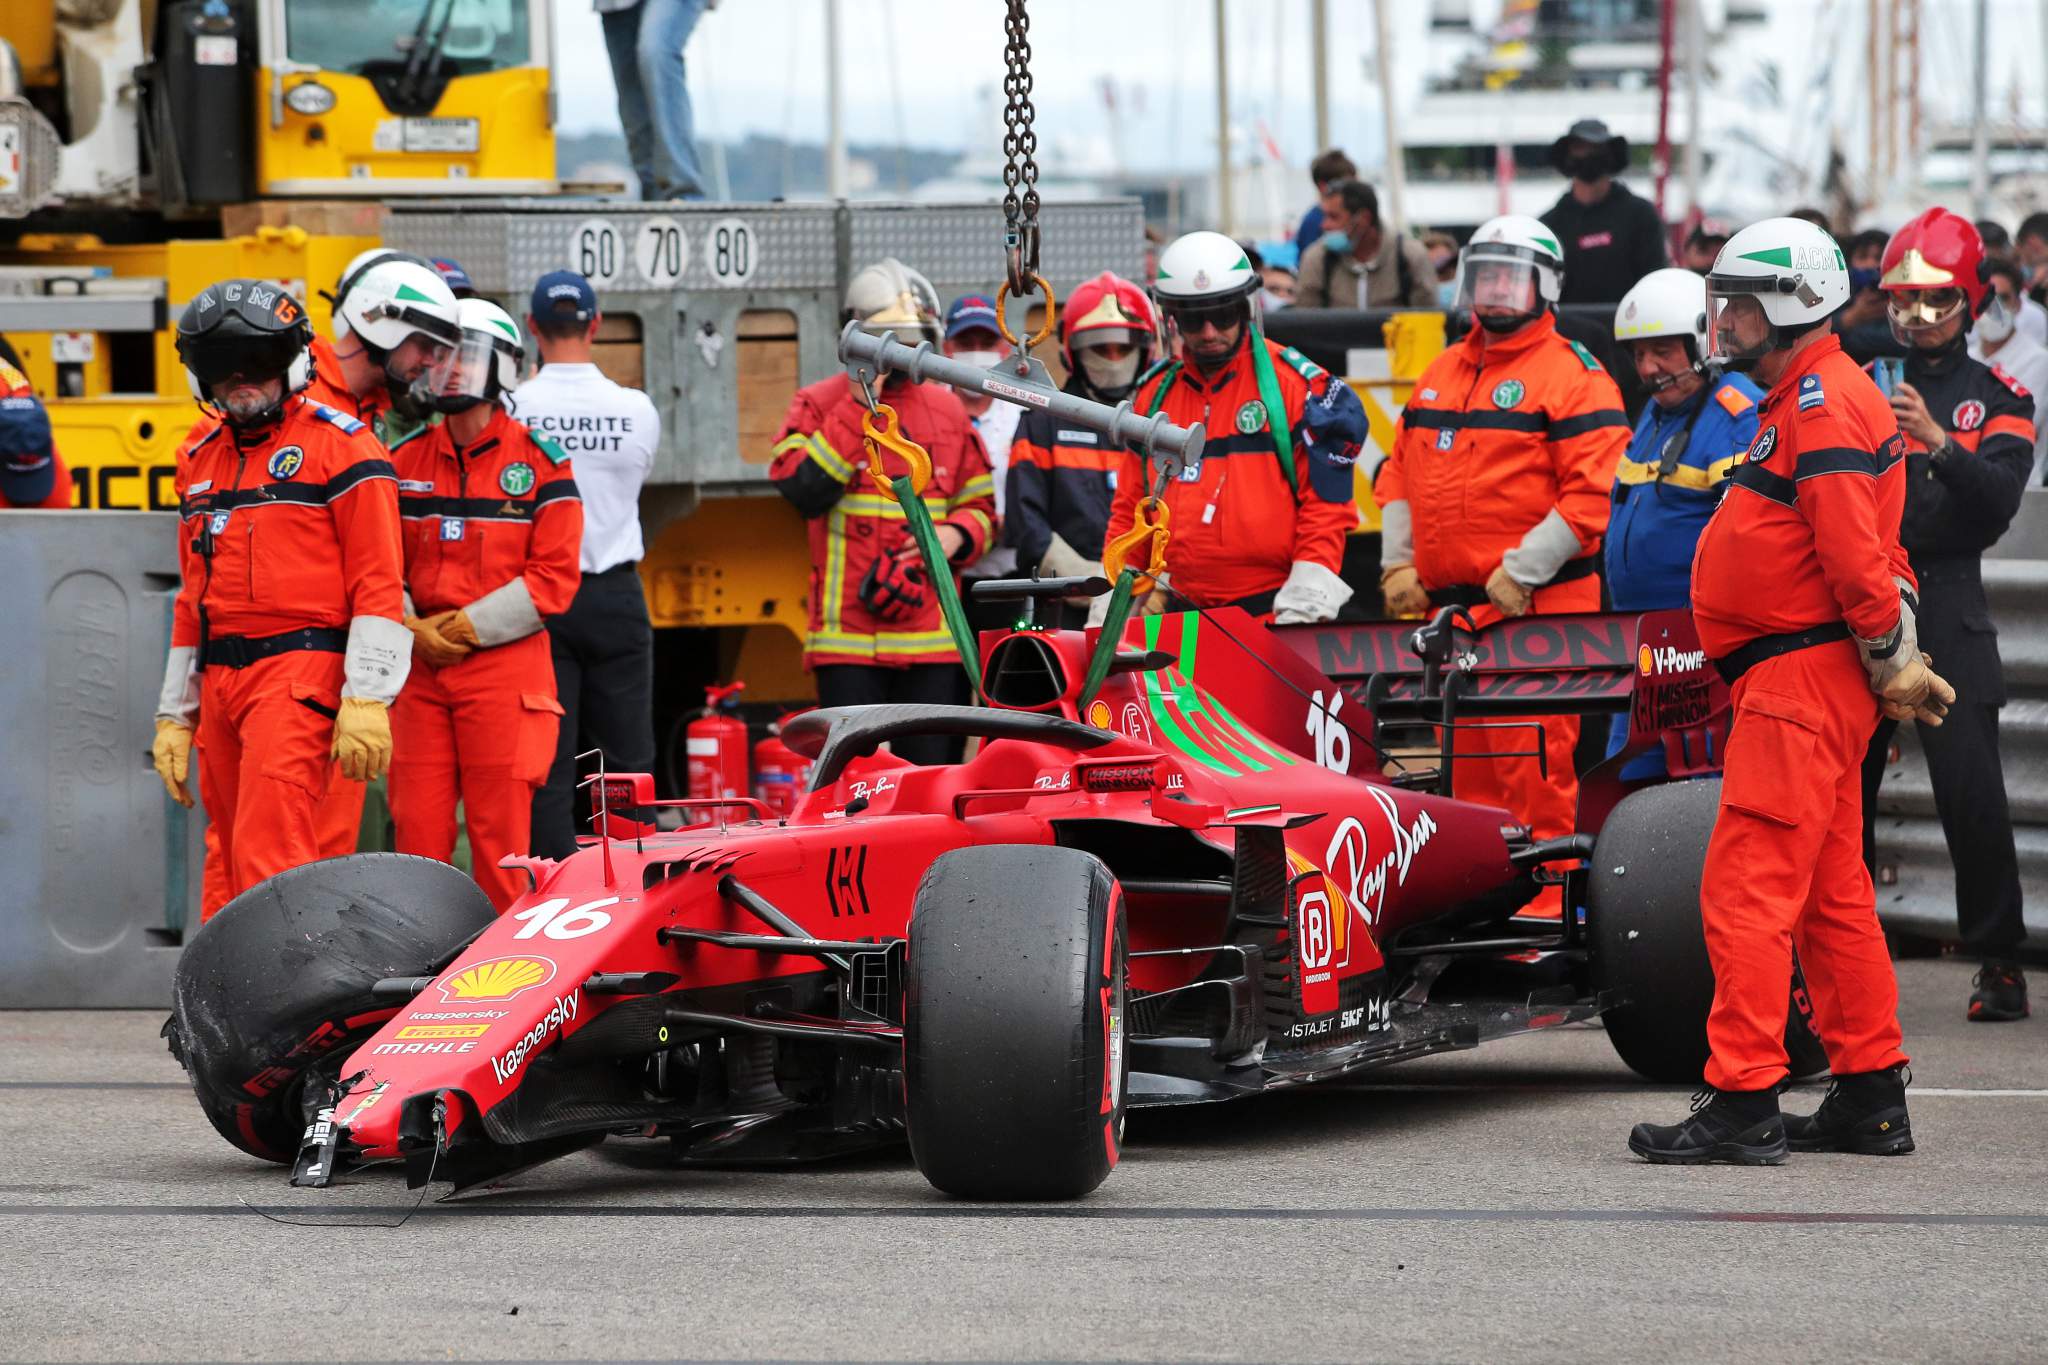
<point>1222,317</point>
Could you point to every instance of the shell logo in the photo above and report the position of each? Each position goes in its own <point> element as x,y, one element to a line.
<point>1098,714</point>
<point>1644,660</point>
<point>498,978</point>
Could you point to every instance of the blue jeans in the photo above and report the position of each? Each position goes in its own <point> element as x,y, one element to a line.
<point>646,47</point>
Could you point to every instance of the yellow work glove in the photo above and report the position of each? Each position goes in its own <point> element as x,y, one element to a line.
<point>456,629</point>
<point>433,646</point>
<point>171,751</point>
<point>1916,693</point>
<point>1401,586</point>
<point>1510,597</point>
<point>362,739</point>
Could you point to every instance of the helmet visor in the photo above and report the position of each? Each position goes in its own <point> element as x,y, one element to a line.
<point>215,359</point>
<point>1192,318</point>
<point>1738,328</point>
<point>1918,310</point>
<point>1499,281</point>
<point>460,376</point>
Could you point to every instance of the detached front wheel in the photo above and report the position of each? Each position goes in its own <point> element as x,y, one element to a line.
<point>1014,1023</point>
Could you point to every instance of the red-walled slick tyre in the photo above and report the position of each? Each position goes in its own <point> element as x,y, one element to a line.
<point>280,981</point>
<point>1013,1023</point>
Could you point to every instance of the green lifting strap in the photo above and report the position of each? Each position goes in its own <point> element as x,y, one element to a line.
<point>935,563</point>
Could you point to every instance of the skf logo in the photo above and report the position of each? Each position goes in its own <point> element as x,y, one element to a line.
<point>499,978</point>
<point>444,1030</point>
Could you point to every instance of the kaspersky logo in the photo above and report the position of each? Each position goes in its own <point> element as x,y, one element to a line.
<point>497,978</point>
<point>559,1016</point>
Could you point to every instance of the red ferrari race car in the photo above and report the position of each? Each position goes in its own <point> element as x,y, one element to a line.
<point>1213,877</point>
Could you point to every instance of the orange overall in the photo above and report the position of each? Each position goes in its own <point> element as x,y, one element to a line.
<point>1804,546</point>
<point>482,730</point>
<point>1500,432</point>
<point>287,535</point>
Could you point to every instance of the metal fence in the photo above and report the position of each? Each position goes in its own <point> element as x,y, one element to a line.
<point>1916,881</point>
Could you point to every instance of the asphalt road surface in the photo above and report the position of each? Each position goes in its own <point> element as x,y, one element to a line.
<point>1478,1207</point>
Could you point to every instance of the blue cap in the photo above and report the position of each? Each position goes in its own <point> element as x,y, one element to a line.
<point>975,311</point>
<point>563,296</point>
<point>454,276</point>
<point>27,471</point>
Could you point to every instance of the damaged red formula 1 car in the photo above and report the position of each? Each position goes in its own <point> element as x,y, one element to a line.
<point>1210,878</point>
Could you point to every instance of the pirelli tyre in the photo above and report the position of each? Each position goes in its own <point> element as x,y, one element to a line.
<point>1013,1023</point>
<point>279,982</point>
<point>1643,923</point>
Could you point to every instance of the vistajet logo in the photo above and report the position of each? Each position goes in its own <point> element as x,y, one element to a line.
<point>558,1017</point>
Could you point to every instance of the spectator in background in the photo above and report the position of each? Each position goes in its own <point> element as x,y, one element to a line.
<point>1862,324</point>
<point>1703,244</point>
<point>1278,287</point>
<point>1361,262</point>
<point>2031,241</point>
<point>1998,340</point>
<point>645,41</point>
<point>1326,170</point>
<point>602,645</point>
<point>1443,255</point>
<point>1610,236</point>
<point>31,475</point>
<point>1814,216</point>
<point>972,338</point>
<point>454,276</point>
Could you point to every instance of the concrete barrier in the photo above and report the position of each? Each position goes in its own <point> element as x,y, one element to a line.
<point>99,865</point>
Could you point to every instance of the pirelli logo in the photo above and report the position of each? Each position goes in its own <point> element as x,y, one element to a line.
<point>444,1030</point>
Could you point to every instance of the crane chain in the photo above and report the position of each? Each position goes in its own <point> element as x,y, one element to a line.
<point>1020,153</point>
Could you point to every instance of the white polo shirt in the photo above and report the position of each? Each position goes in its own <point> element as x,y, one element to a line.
<point>610,433</point>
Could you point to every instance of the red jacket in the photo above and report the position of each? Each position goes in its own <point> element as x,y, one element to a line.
<point>327,386</point>
<point>290,527</point>
<point>1497,434</point>
<point>1237,522</point>
<point>477,518</point>
<point>820,466</point>
<point>1808,531</point>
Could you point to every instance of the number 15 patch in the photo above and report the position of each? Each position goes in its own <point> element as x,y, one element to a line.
<point>1444,438</point>
<point>451,528</point>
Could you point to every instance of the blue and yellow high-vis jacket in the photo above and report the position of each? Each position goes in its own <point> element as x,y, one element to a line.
<point>1661,503</point>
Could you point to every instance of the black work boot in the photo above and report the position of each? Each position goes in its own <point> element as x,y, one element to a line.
<point>1863,1113</point>
<point>1741,1127</point>
<point>2001,994</point>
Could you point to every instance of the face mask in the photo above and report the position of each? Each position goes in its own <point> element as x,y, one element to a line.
<point>1338,242</point>
<point>1447,294</point>
<point>1860,280</point>
<point>1109,377</point>
<point>1998,322</point>
<point>1271,302</point>
<point>981,360</point>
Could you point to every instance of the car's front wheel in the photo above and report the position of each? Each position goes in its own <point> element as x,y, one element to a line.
<point>1014,1023</point>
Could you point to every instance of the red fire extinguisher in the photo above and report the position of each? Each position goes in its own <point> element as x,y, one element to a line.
<point>715,744</point>
<point>780,773</point>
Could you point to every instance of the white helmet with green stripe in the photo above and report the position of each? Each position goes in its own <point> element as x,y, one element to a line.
<point>1794,272</point>
<point>1203,268</point>
<point>1509,272</point>
<point>483,366</point>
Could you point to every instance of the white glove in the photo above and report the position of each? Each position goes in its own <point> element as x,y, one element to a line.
<point>378,659</point>
<point>1311,593</point>
<point>1543,551</point>
<point>178,699</point>
<point>1890,655</point>
<point>1062,560</point>
<point>503,614</point>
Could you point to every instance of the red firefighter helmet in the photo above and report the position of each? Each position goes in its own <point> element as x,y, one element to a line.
<point>1928,263</point>
<point>1109,301</point>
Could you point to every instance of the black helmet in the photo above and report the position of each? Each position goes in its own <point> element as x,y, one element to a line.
<point>248,328</point>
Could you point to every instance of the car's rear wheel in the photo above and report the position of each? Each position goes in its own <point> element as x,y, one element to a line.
<point>1643,919</point>
<point>280,981</point>
<point>1013,1023</point>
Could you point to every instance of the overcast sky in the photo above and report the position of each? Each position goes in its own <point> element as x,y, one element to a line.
<point>917,69</point>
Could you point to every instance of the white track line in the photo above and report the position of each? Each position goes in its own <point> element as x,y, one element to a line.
<point>1452,1087</point>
